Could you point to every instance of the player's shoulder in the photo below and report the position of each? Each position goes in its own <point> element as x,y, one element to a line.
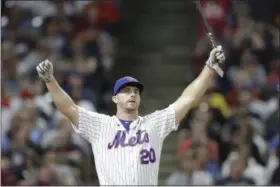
<point>94,113</point>
<point>158,113</point>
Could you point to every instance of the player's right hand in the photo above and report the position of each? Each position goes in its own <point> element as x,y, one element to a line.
<point>45,70</point>
<point>216,57</point>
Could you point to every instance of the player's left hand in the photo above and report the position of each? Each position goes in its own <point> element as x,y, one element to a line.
<point>216,57</point>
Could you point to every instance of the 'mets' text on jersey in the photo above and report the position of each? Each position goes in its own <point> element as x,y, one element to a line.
<point>121,139</point>
<point>126,157</point>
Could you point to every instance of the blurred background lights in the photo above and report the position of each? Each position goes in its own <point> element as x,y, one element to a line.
<point>4,21</point>
<point>37,21</point>
<point>10,4</point>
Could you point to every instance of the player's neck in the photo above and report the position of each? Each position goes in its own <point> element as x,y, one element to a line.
<point>125,115</point>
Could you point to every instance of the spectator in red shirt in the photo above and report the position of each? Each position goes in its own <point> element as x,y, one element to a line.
<point>199,135</point>
<point>98,15</point>
<point>215,12</point>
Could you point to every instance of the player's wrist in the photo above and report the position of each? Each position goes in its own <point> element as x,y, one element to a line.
<point>49,78</point>
<point>209,63</point>
<point>210,68</point>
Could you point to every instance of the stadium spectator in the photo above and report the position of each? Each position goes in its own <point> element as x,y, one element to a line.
<point>247,98</point>
<point>236,177</point>
<point>38,144</point>
<point>191,171</point>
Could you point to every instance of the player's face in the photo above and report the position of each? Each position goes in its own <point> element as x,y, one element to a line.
<point>128,98</point>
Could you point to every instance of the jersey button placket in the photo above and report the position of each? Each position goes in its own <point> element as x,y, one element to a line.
<point>136,165</point>
<point>132,165</point>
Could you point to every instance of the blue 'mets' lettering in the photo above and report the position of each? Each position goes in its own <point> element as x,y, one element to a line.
<point>121,139</point>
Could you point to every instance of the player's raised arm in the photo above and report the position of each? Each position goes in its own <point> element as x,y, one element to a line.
<point>193,93</point>
<point>84,122</point>
<point>61,99</point>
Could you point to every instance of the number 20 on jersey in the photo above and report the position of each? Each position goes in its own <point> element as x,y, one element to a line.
<point>147,156</point>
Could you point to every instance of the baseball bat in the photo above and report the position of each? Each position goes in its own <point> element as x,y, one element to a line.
<point>210,35</point>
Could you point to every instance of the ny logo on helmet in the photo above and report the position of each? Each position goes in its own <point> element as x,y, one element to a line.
<point>130,79</point>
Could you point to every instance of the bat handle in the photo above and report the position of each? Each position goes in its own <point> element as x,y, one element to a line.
<point>219,71</point>
<point>211,37</point>
<point>214,44</point>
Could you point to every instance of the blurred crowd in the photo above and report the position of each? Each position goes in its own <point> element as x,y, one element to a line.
<point>232,136</point>
<point>38,146</point>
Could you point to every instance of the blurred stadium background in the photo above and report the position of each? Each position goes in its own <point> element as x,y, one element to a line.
<point>231,137</point>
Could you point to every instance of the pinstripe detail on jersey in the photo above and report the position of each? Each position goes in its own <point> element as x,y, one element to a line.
<point>126,157</point>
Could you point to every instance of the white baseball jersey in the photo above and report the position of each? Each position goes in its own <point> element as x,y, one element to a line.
<point>127,157</point>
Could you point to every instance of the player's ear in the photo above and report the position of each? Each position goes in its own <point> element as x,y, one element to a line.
<point>115,99</point>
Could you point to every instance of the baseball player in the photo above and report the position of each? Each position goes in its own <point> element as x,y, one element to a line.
<point>126,146</point>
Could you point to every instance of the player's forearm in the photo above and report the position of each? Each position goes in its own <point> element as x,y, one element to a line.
<point>199,86</point>
<point>193,93</point>
<point>62,100</point>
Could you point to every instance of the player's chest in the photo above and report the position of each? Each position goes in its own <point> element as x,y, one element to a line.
<point>138,145</point>
<point>124,138</point>
<point>137,137</point>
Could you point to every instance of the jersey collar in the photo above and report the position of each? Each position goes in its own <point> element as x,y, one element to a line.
<point>133,124</point>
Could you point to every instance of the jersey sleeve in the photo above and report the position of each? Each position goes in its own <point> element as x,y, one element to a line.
<point>164,121</point>
<point>90,124</point>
